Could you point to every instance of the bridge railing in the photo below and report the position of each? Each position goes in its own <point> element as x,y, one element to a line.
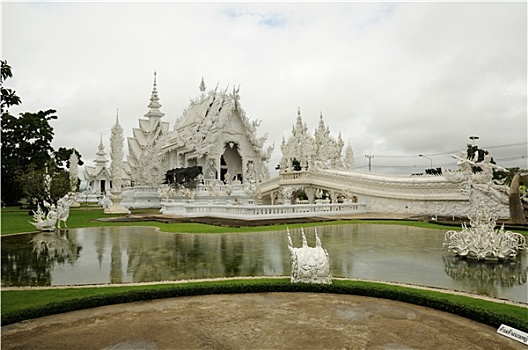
<point>426,188</point>
<point>253,212</point>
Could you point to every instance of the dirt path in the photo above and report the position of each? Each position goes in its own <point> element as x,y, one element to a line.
<point>256,321</point>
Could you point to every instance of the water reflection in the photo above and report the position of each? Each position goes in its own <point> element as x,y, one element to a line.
<point>135,254</point>
<point>486,277</point>
<point>30,260</point>
<point>56,246</point>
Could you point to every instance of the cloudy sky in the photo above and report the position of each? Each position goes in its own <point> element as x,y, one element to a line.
<point>395,79</point>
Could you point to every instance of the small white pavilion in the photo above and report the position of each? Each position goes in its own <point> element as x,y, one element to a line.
<point>98,177</point>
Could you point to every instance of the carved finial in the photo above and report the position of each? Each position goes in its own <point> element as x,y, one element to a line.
<point>117,116</point>
<point>298,111</point>
<point>317,240</point>
<point>202,86</point>
<point>321,115</point>
<point>154,88</point>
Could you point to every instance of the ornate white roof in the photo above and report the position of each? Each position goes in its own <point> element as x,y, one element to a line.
<point>197,131</point>
<point>321,150</point>
<point>149,131</point>
<point>101,159</point>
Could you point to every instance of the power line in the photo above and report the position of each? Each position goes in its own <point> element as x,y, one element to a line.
<point>449,152</point>
<point>510,158</point>
<point>508,145</point>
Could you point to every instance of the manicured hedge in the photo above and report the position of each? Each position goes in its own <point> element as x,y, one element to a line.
<point>487,312</point>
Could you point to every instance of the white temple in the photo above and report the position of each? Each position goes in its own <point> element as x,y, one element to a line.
<point>98,177</point>
<point>215,133</point>
<point>216,141</point>
<point>143,164</point>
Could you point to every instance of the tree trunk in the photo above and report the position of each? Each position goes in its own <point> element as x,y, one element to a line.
<point>516,208</point>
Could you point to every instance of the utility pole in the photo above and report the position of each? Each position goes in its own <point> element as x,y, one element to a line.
<point>370,161</point>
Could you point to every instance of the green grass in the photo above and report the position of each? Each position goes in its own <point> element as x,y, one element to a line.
<point>18,305</point>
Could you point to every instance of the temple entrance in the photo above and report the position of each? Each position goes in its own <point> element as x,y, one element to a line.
<point>231,163</point>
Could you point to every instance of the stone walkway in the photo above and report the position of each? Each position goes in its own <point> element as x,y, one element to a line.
<point>256,321</point>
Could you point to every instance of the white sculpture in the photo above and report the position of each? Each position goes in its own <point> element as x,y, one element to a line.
<point>481,181</point>
<point>187,193</point>
<point>287,193</point>
<point>309,265</point>
<point>74,179</point>
<point>74,170</point>
<point>212,188</point>
<point>167,192</point>
<point>105,202</point>
<point>63,210</point>
<point>43,221</point>
<point>481,241</point>
<point>56,214</point>
<point>116,155</point>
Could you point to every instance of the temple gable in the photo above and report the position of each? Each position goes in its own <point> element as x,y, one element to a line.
<point>215,133</point>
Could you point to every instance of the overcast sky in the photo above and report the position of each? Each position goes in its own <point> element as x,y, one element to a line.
<point>395,79</point>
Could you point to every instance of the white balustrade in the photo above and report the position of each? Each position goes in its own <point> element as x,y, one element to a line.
<point>259,211</point>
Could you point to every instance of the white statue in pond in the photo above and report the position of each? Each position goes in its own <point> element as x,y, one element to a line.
<point>309,265</point>
<point>481,241</point>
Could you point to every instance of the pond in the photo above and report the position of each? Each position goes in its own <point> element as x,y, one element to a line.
<point>141,254</point>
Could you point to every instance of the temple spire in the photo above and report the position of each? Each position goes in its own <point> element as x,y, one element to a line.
<point>101,160</point>
<point>202,86</point>
<point>154,104</point>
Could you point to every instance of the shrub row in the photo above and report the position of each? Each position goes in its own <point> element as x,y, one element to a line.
<point>481,312</point>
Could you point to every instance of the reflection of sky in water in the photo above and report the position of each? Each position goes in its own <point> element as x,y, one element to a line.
<point>374,252</point>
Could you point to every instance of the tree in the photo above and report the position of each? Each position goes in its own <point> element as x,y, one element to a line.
<point>9,97</point>
<point>62,157</point>
<point>26,140</point>
<point>47,184</point>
